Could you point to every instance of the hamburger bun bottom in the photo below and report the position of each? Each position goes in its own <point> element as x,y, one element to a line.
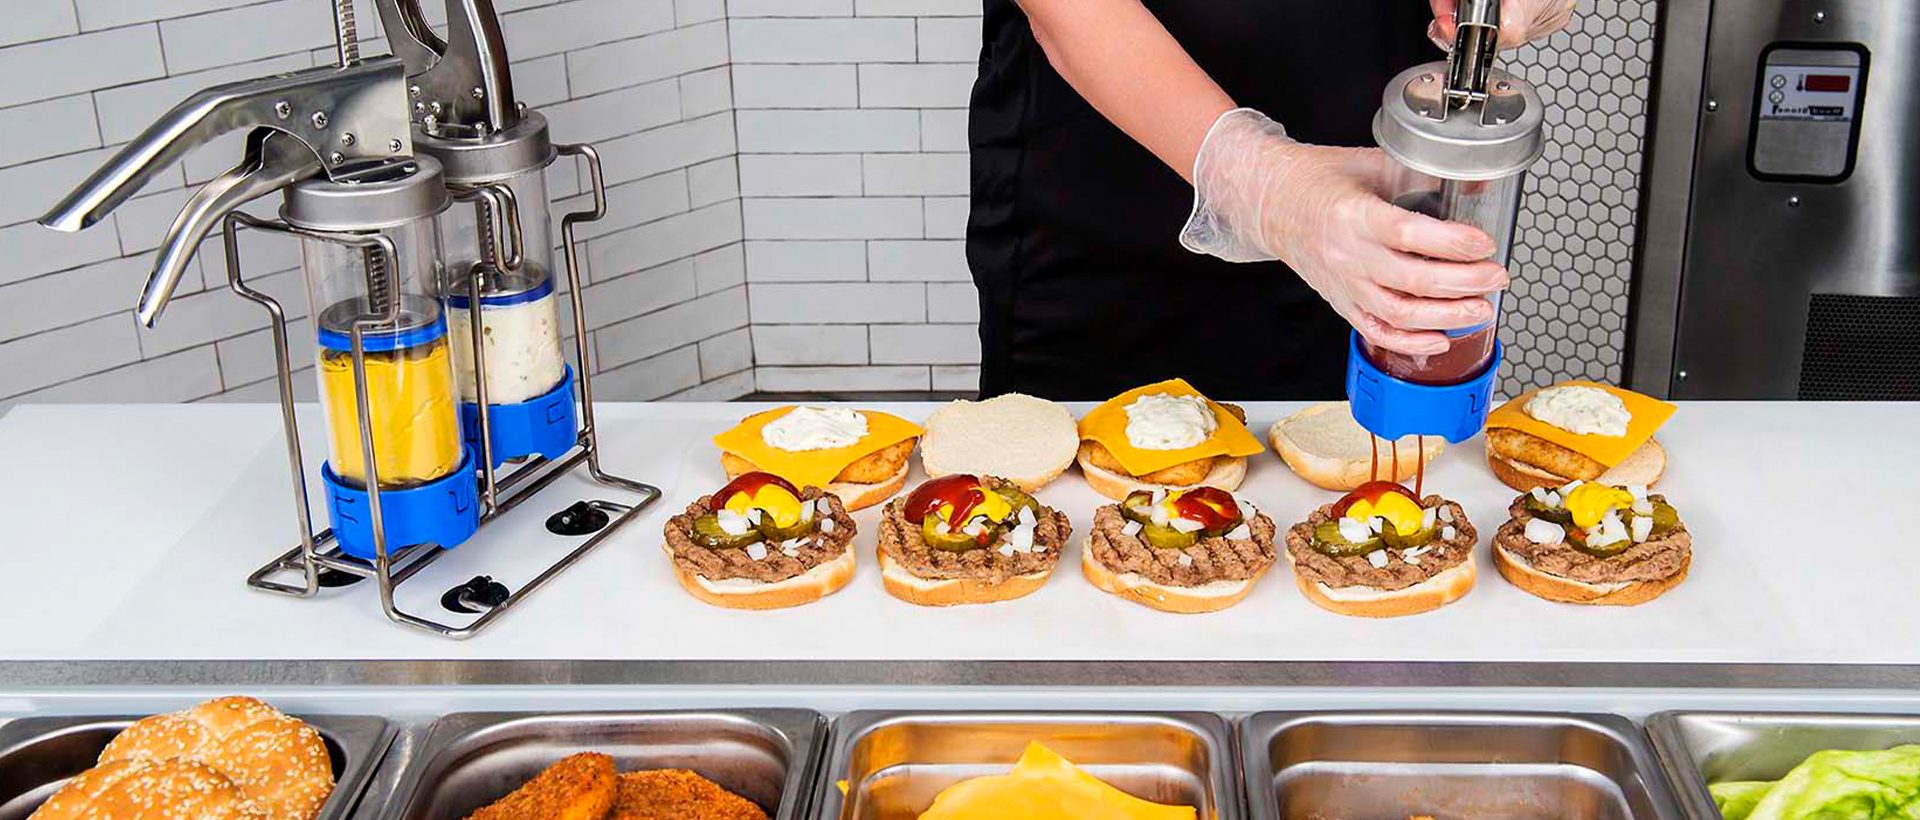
<point>741,593</point>
<point>954,591</point>
<point>1568,591</point>
<point>854,495</point>
<point>1366,602</point>
<point>1227,473</point>
<point>1133,586</point>
<point>1644,466</point>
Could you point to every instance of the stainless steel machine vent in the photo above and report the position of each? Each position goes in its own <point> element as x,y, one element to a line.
<point>1861,348</point>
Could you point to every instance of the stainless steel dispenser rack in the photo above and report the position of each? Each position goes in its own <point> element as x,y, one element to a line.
<point>337,139</point>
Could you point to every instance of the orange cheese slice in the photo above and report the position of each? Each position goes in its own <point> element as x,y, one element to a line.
<point>1107,424</point>
<point>1045,786</point>
<point>1648,414</point>
<point>812,468</point>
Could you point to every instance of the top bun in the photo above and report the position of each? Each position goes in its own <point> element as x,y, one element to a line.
<point>1023,439</point>
<point>1327,447</point>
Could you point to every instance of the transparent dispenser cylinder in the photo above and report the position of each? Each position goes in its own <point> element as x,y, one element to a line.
<point>409,369</point>
<point>520,321</point>
<point>1491,205</point>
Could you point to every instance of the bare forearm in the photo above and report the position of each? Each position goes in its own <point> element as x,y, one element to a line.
<point>1123,61</point>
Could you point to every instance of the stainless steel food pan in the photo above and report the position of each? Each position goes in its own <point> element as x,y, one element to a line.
<point>38,755</point>
<point>894,763</point>
<point>1697,748</point>
<point>1450,765</point>
<point>471,759</point>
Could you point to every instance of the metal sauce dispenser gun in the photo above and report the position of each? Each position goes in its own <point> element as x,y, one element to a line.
<point>402,485</point>
<point>1461,134</point>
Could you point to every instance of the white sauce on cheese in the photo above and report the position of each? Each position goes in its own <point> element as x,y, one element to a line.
<point>815,428</point>
<point>1158,421</point>
<point>1581,409</point>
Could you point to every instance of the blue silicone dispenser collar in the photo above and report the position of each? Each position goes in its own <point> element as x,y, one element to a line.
<point>544,425</point>
<point>1390,407</point>
<point>444,511</point>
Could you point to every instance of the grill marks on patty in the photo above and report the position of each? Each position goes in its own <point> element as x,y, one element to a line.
<point>1655,559</point>
<point>816,547</point>
<point>1355,571</point>
<point>900,540</point>
<point>1215,558</point>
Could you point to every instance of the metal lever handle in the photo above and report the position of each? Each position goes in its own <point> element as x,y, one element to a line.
<point>341,114</point>
<point>1476,41</point>
<point>274,160</point>
<point>464,83</point>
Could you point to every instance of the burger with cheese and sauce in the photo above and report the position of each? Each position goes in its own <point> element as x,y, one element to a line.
<point>1194,550</point>
<point>1164,437</point>
<point>966,539</point>
<point>760,543</point>
<point>1577,431</point>
<point>1593,543</point>
<point>1379,552</point>
<point>858,455</point>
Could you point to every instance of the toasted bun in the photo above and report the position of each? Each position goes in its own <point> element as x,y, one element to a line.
<point>951,591</point>
<point>149,787</point>
<point>1227,473</point>
<point>1644,466</point>
<point>279,762</point>
<point>741,593</point>
<point>1426,596</point>
<point>1135,587</point>
<point>1327,447</point>
<point>853,495</point>
<point>1023,439</point>
<point>1565,590</point>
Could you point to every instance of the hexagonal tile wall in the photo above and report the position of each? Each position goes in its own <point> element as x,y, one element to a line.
<point>1566,315</point>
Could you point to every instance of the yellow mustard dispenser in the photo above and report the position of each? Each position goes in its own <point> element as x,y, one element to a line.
<point>416,432</point>
<point>1045,786</point>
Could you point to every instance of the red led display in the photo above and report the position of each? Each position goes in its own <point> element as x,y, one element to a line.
<point>1829,82</point>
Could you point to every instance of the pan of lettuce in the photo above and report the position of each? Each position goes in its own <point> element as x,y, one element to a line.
<point>1831,785</point>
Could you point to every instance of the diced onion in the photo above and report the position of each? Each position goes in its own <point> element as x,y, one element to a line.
<point>1376,524</point>
<point>1446,512</point>
<point>1378,558</point>
<point>1539,494</point>
<point>1240,533</point>
<point>1006,550</point>
<point>1448,532</point>
<point>733,523</point>
<point>826,525</point>
<point>1159,495</point>
<point>1247,510</point>
<point>1021,538</point>
<point>1185,560</point>
<point>1355,531</point>
<point>754,514</point>
<point>757,551</point>
<point>1411,559</point>
<point>1159,514</point>
<point>1542,531</point>
<point>1642,507</point>
<point>1130,529</point>
<point>1426,518</point>
<point>1569,486</point>
<point>1026,516</point>
<point>1642,529</point>
<point>1638,491</point>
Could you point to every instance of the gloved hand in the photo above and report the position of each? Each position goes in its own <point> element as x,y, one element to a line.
<point>1397,276</point>
<point>1521,21</point>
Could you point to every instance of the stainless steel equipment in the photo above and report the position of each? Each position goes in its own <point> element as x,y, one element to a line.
<point>401,486</point>
<point>1697,748</point>
<point>471,759</point>
<point>1461,135</point>
<point>1778,253</point>
<point>39,755</point>
<point>1450,765</point>
<point>895,762</point>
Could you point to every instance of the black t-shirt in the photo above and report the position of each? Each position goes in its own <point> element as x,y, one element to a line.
<point>1074,233</point>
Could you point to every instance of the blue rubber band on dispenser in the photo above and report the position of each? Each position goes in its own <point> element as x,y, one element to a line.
<point>381,341</point>
<point>459,301</point>
<point>544,425</point>
<point>1390,407</point>
<point>445,511</point>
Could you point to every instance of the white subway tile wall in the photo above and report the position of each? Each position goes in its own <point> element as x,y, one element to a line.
<point>648,81</point>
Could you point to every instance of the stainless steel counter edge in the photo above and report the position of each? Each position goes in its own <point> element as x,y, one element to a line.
<point>16,674</point>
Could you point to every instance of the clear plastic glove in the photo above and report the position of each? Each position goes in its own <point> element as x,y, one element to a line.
<point>1397,276</point>
<point>1521,21</point>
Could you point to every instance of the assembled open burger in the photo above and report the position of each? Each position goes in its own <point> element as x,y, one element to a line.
<point>1582,431</point>
<point>1379,552</point>
<point>859,455</point>
<point>1196,550</point>
<point>1593,543</point>
<point>965,539</point>
<point>760,543</point>
<point>1164,436</point>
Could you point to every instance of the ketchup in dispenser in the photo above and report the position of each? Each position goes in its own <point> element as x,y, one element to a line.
<point>1461,135</point>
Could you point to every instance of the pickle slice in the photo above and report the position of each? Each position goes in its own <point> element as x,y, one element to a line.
<point>1665,518</point>
<point>1394,539</point>
<point>935,534</point>
<point>1558,515</point>
<point>1168,538</point>
<point>707,533</point>
<point>1328,540</point>
<point>775,532</point>
<point>1607,551</point>
<point>1137,498</point>
<point>1017,498</point>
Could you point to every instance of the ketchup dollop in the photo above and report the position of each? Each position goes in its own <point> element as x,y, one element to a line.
<point>961,490</point>
<point>1370,492</point>
<point>751,483</point>
<point>1212,507</point>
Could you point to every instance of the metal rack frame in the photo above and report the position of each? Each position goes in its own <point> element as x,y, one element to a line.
<point>318,551</point>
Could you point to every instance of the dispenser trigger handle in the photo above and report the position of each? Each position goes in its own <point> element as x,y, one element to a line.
<point>460,86</point>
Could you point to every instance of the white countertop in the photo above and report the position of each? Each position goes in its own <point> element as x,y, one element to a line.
<point>127,531</point>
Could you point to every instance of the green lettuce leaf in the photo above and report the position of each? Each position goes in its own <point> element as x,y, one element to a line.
<point>1844,785</point>
<point>1736,798</point>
